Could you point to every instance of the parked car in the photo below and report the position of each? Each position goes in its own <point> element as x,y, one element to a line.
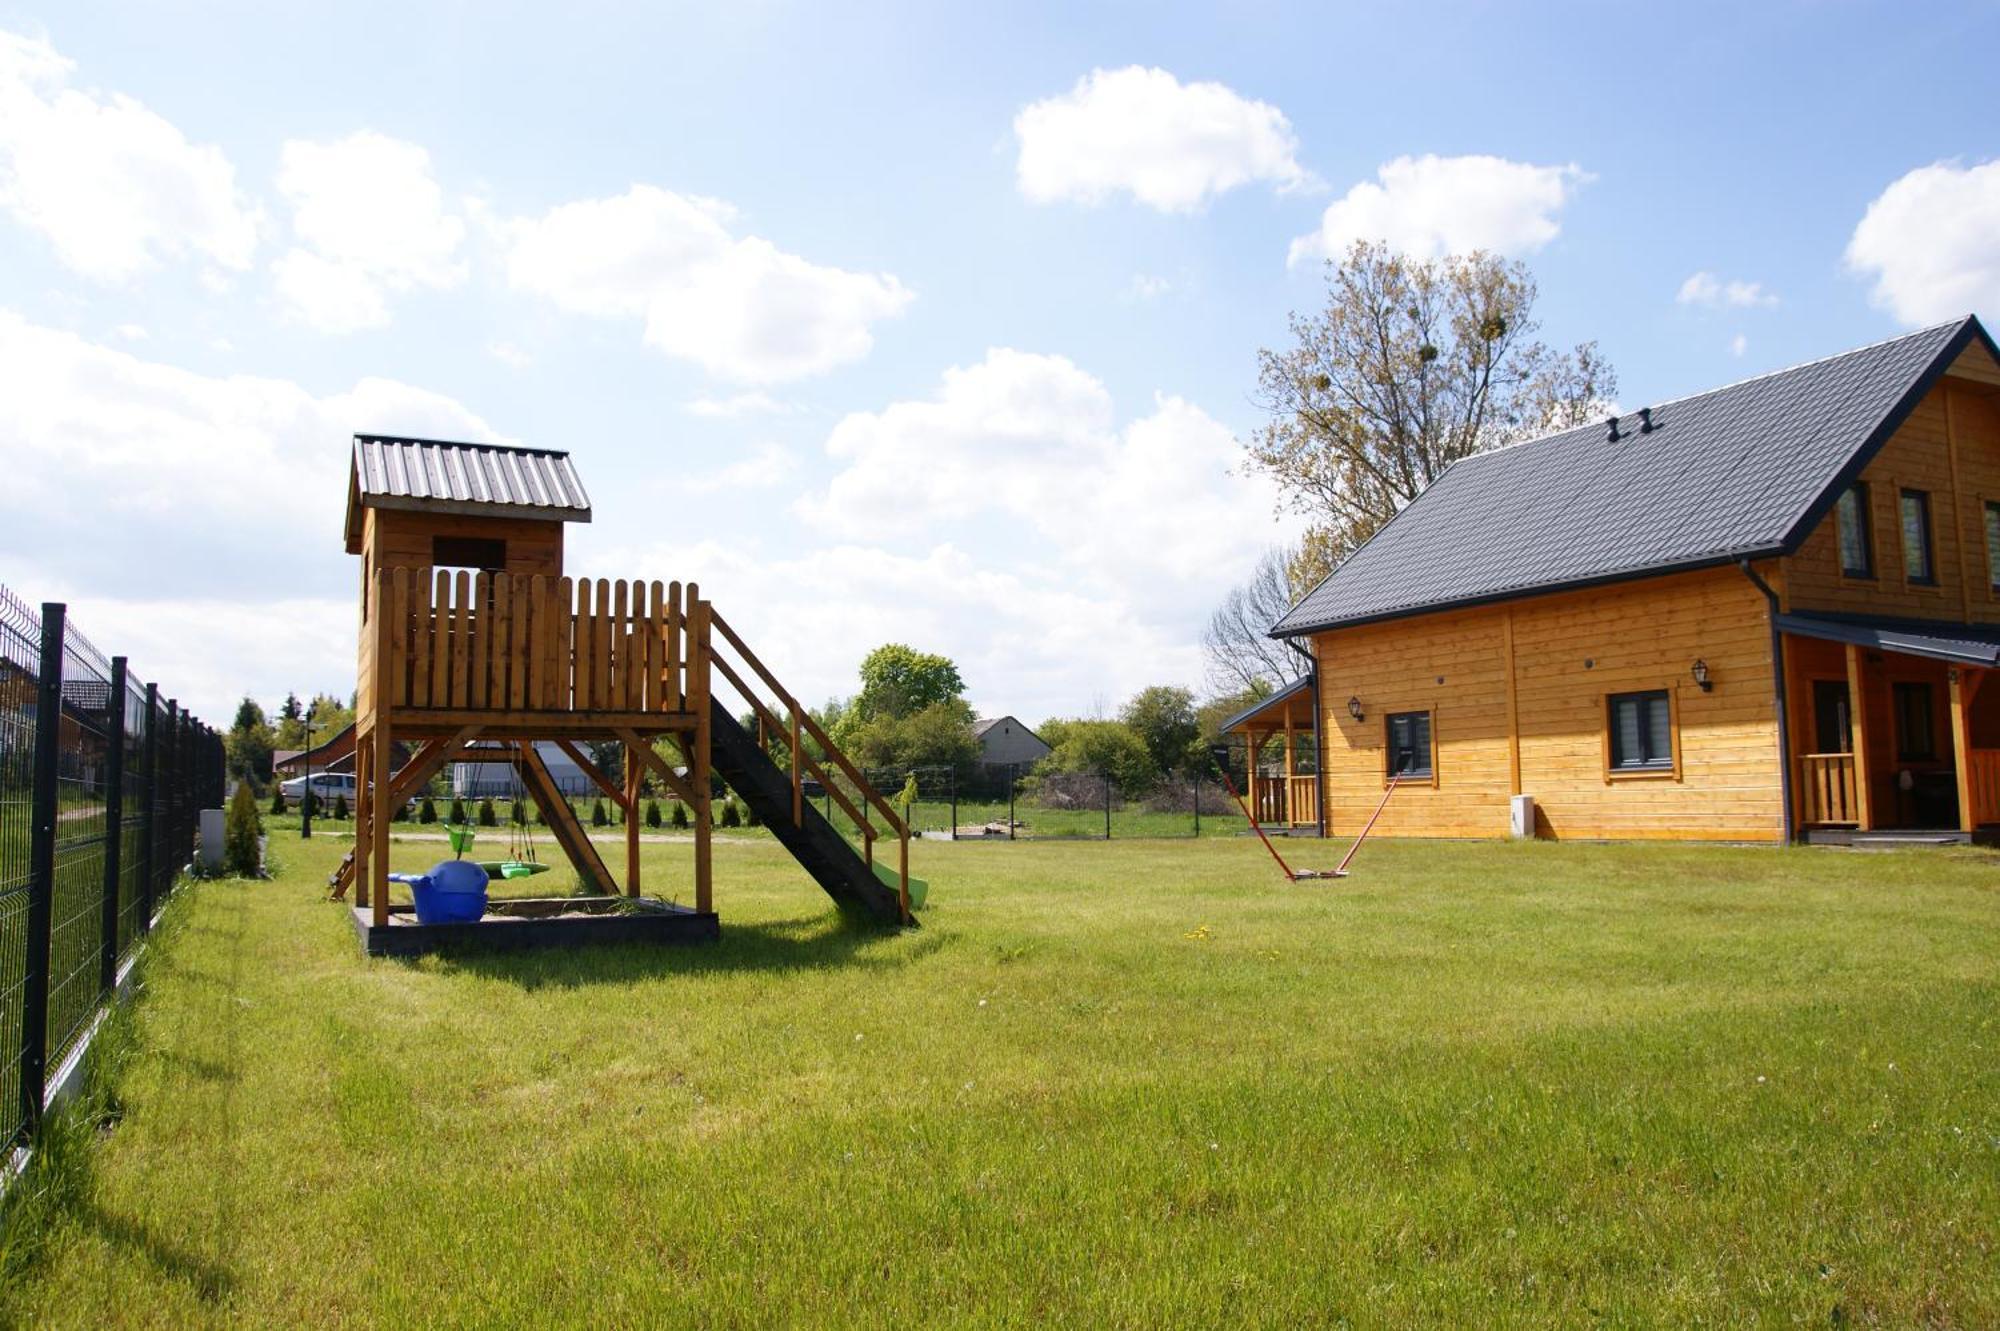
<point>325,785</point>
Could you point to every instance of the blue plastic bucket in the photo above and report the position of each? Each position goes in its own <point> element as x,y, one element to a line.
<point>453,892</point>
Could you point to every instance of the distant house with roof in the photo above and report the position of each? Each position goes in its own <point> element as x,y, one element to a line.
<point>1005,742</point>
<point>1767,611</point>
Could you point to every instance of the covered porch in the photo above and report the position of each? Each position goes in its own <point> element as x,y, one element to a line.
<point>1894,726</point>
<point>1282,760</point>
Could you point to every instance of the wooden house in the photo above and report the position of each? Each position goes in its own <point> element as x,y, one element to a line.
<point>1761,613</point>
<point>475,646</point>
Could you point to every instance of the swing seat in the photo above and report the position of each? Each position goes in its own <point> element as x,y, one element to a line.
<point>499,869</point>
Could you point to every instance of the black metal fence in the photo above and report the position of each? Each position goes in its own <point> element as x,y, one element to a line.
<point>101,782</point>
<point>1017,804</point>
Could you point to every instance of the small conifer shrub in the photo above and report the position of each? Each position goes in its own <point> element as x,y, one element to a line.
<point>487,818</point>
<point>652,813</point>
<point>242,835</point>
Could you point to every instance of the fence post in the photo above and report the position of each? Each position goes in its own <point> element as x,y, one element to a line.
<point>1107,806</point>
<point>171,787</point>
<point>41,869</point>
<point>954,804</point>
<point>114,824</point>
<point>1196,779</point>
<point>1013,779</point>
<point>149,760</point>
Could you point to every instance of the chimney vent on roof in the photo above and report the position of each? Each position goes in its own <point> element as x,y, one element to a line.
<point>1613,423</point>
<point>1645,420</point>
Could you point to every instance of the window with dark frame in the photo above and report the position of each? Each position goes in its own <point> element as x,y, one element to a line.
<point>1915,740</point>
<point>1410,744</point>
<point>1642,732</point>
<point>1857,544</point>
<point>1915,509</point>
<point>1993,545</point>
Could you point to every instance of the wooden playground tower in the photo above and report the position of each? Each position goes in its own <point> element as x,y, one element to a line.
<point>471,634</point>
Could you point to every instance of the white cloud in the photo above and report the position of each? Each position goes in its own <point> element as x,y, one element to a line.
<point>1931,243</point>
<point>737,306</point>
<point>192,487</point>
<point>1171,145</point>
<point>1705,288</point>
<point>131,332</point>
<point>737,404</point>
<point>1150,510</point>
<point>766,466</point>
<point>1146,286</point>
<point>1429,206</point>
<point>1738,345</point>
<point>114,186</point>
<point>371,223</point>
<point>510,355</point>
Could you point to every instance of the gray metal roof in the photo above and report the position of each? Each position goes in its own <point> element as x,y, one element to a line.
<point>1283,695</point>
<point>1737,472</point>
<point>489,480</point>
<point>1966,644</point>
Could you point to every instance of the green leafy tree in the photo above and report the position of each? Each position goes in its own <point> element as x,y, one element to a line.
<point>1163,717</point>
<point>247,747</point>
<point>1411,365</point>
<point>936,736</point>
<point>899,681</point>
<point>242,830</point>
<point>1096,748</point>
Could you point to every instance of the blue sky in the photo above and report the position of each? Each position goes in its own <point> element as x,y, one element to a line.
<point>883,322</point>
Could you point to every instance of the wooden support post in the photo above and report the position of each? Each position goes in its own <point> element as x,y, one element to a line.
<point>379,763</point>
<point>1291,749</point>
<point>568,832</point>
<point>1961,749</point>
<point>699,653</point>
<point>364,817</point>
<point>1250,745</point>
<point>798,785</point>
<point>632,774</point>
<point>1857,719</point>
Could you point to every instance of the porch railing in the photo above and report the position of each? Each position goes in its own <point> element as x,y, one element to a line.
<point>1829,790</point>
<point>1287,801</point>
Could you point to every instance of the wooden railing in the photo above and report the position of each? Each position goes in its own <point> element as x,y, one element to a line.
<point>791,725</point>
<point>1287,801</point>
<point>1984,774</point>
<point>491,642</point>
<point>1828,783</point>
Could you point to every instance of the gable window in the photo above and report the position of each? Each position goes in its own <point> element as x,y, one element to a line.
<point>1410,744</point>
<point>1642,732</point>
<point>1915,509</point>
<point>474,552</point>
<point>1857,545</point>
<point>1914,741</point>
<point>1993,545</point>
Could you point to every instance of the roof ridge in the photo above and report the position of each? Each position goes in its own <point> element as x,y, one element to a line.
<point>1733,384</point>
<point>460,443</point>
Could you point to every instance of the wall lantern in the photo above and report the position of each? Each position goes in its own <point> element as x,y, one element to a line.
<point>1354,708</point>
<point>1700,672</point>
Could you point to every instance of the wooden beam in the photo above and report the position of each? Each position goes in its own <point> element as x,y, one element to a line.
<point>364,807</point>
<point>589,769</point>
<point>699,655</point>
<point>1857,720</point>
<point>658,766</point>
<point>1961,749</point>
<point>1513,706</point>
<point>425,764</point>
<point>569,833</point>
<point>632,771</point>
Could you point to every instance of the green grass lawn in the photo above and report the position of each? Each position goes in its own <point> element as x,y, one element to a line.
<point>1106,1084</point>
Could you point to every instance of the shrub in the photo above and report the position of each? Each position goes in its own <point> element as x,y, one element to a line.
<point>242,830</point>
<point>277,799</point>
<point>751,818</point>
<point>401,814</point>
<point>458,810</point>
<point>427,812</point>
<point>680,814</point>
<point>519,811</point>
<point>652,813</point>
<point>340,810</point>
<point>541,814</point>
<point>309,803</point>
<point>598,818</point>
<point>487,818</point>
<point>731,817</point>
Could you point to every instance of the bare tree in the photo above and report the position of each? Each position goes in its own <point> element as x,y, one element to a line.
<point>1241,653</point>
<point>1411,366</point>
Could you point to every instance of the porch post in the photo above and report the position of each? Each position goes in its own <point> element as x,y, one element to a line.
<point>1857,710</point>
<point>1291,749</point>
<point>1961,749</point>
<point>1250,770</point>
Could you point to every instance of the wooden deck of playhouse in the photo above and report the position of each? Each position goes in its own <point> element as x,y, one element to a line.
<point>520,655</point>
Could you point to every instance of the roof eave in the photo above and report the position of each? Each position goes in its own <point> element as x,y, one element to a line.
<point>475,508</point>
<point>1281,631</point>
